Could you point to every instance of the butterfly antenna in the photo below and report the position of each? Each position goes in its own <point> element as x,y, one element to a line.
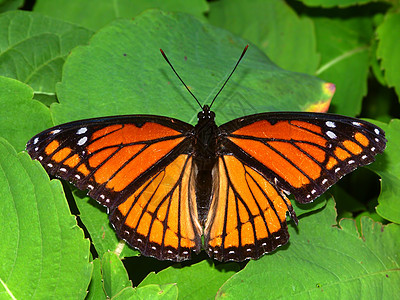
<point>165,57</point>
<point>240,58</point>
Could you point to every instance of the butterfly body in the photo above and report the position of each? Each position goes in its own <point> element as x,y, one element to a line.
<point>204,159</point>
<point>166,183</point>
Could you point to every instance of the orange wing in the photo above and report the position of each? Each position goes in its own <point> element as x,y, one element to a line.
<point>247,217</point>
<point>139,168</point>
<point>160,218</point>
<point>303,153</point>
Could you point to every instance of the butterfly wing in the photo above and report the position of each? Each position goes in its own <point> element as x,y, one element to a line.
<point>247,217</point>
<point>265,156</point>
<point>139,168</point>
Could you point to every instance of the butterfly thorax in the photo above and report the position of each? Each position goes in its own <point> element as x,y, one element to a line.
<point>205,146</point>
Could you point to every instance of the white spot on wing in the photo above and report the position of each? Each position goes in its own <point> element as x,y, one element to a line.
<point>55,131</point>
<point>337,170</point>
<point>324,181</point>
<point>82,141</point>
<point>373,149</point>
<point>377,131</point>
<point>36,140</point>
<point>351,162</point>
<point>364,157</point>
<point>81,130</point>
<point>63,169</point>
<point>330,124</point>
<point>50,165</point>
<point>356,124</point>
<point>331,135</point>
<point>77,176</point>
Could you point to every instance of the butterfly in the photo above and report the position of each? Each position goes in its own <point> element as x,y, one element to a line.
<point>171,188</point>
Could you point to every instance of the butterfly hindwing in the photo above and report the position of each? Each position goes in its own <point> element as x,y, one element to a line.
<point>303,153</point>
<point>139,168</point>
<point>247,216</point>
<point>160,218</point>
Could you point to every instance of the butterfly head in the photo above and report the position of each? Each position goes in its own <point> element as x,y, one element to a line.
<point>206,114</point>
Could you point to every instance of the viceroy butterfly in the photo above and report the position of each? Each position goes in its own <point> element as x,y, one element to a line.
<point>166,183</point>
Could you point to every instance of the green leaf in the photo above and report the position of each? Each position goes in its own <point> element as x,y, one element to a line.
<point>7,5</point>
<point>332,262</point>
<point>43,252</point>
<point>152,291</point>
<point>332,3</point>
<point>95,219</point>
<point>115,277</point>
<point>274,27</point>
<point>388,167</point>
<point>102,12</point>
<point>344,48</point>
<point>389,49</point>
<point>133,78</point>
<point>34,47</point>
<point>96,290</point>
<point>206,275</point>
<point>20,116</point>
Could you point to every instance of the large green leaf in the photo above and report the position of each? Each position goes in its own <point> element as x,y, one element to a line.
<point>20,116</point>
<point>43,252</point>
<point>274,27</point>
<point>95,14</point>
<point>33,48</point>
<point>331,263</point>
<point>344,48</point>
<point>389,49</point>
<point>122,72</point>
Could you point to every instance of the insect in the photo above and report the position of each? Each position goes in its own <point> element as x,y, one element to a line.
<point>166,184</point>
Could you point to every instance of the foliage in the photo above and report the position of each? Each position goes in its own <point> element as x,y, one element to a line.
<point>69,60</point>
